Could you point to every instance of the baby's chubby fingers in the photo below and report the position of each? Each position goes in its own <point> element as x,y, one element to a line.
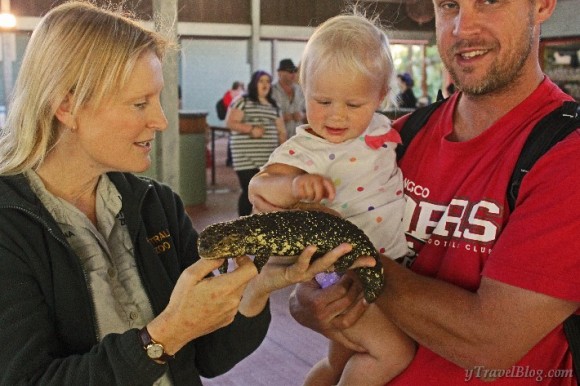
<point>329,190</point>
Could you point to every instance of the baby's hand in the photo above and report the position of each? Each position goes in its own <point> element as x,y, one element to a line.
<point>312,188</point>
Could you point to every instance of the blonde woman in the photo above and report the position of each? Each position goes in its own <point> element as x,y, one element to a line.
<point>100,281</point>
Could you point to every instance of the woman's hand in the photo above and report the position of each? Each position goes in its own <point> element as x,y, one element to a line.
<point>200,304</point>
<point>277,274</point>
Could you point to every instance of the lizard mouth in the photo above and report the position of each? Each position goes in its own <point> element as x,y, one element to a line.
<point>220,247</point>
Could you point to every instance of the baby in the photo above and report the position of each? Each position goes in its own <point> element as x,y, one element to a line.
<point>344,159</point>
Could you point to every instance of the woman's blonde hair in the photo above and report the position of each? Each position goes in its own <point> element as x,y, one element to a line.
<point>77,50</point>
<point>350,42</point>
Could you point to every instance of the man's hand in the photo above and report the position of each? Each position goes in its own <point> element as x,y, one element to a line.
<point>330,310</point>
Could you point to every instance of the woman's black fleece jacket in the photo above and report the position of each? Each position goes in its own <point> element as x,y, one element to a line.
<point>47,319</point>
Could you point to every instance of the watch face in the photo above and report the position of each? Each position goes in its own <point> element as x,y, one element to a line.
<point>155,351</point>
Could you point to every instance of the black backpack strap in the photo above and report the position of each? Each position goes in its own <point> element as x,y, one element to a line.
<point>572,331</point>
<point>548,131</point>
<point>440,95</point>
<point>415,122</point>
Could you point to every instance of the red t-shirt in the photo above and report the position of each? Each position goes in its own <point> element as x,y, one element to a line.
<point>457,222</point>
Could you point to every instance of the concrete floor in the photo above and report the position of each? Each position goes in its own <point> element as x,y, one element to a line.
<point>289,350</point>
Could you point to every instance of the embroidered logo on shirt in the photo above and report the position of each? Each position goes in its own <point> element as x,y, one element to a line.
<point>160,241</point>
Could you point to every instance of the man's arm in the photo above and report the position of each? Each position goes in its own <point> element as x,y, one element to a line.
<point>494,327</point>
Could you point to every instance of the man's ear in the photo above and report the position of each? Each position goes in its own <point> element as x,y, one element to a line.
<point>64,112</point>
<point>544,9</point>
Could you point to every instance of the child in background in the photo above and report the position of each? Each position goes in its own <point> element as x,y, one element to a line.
<point>344,159</point>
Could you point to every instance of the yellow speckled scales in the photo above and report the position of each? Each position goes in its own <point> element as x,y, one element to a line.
<point>287,233</point>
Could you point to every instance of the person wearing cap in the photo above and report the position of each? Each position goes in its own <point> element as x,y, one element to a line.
<point>289,97</point>
<point>406,98</point>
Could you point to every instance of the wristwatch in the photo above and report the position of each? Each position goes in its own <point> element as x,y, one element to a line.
<point>154,350</point>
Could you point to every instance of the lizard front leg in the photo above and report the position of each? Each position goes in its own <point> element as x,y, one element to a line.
<point>260,261</point>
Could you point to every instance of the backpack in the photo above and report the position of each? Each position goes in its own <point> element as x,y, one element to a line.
<point>562,121</point>
<point>221,109</point>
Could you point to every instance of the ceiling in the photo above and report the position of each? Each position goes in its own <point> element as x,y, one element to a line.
<point>420,11</point>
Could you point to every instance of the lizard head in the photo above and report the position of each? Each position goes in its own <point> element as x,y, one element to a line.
<point>220,241</point>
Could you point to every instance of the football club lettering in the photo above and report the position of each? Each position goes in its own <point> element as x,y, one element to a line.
<point>460,224</point>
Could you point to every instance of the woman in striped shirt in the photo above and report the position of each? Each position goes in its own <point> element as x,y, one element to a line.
<point>257,129</point>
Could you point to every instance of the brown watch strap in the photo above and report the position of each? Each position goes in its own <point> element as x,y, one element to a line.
<point>148,342</point>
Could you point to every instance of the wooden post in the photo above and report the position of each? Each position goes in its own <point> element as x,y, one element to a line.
<point>167,147</point>
<point>424,88</point>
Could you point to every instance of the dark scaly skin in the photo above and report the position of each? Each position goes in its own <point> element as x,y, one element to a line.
<point>287,233</point>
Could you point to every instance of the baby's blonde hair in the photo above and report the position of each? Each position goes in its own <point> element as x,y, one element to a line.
<point>78,50</point>
<point>350,42</point>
